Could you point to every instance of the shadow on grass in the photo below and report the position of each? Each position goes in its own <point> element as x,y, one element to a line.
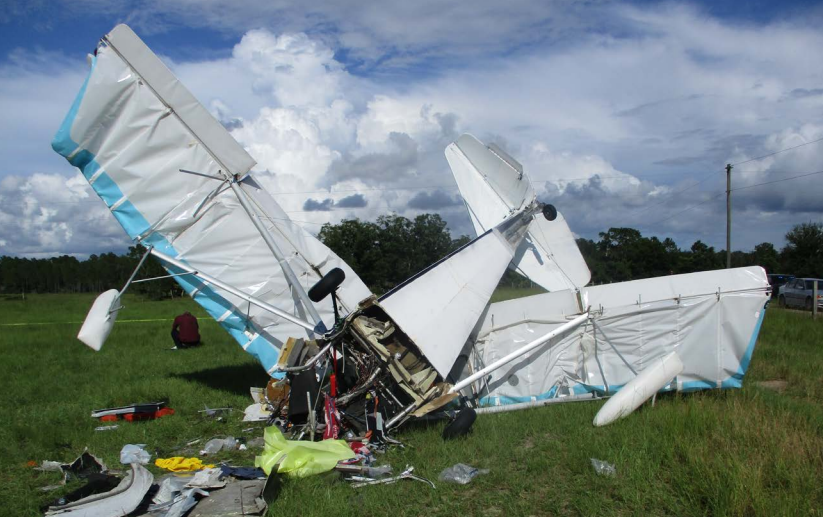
<point>235,379</point>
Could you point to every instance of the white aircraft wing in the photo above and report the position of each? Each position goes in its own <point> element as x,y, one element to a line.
<point>131,128</point>
<point>710,319</point>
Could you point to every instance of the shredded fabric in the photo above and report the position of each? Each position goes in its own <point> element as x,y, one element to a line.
<point>181,464</point>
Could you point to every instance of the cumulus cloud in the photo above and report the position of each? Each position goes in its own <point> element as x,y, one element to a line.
<point>627,125</point>
<point>353,201</point>
<point>433,201</point>
<point>49,214</point>
<point>312,205</point>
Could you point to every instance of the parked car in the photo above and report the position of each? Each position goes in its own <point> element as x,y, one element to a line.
<point>799,293</point>
<point>777,281</point>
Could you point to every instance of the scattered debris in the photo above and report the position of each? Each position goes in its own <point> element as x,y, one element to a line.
<point>238,498</point>
<point>178,506</point>
<point>365,471</point>
<point>81,468</point>
<point>170,486</point>
<point>216,445</point>
<point>406,474</point>
<point>120,501</point>
<point>242,472</point>
<point>106,427</point>
<point>180,464</point>
<point>257,412</point>
<point>216,413</point>
<point>134,412</point>
<point>301,458</point>
<point>134,454</point>
<point>461,474</point>
<point>97,484</point>
<point>207,478</point>
<point>604,468</point>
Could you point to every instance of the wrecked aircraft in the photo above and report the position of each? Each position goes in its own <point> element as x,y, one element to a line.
<point>180,185</point>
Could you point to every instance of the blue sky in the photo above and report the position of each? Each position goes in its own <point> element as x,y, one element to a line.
<point>624,114</point>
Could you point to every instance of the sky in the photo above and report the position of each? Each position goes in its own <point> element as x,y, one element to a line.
<point>624,114</point>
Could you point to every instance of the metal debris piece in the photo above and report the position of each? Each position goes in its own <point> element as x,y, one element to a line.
<point>116,503</point>
<point>406,474</point>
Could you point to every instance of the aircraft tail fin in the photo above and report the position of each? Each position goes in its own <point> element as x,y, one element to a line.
<point>494,186</point>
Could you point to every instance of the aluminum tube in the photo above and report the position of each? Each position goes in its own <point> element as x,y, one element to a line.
<point>278,254</point>
<point>134,273</point>
<point>519,352</point>
<point>309,364</point>
<point>537,403</point>
<point>240,294</point>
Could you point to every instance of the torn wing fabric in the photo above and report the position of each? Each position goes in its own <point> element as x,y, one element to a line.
<point>130,129</point>
<point>493,185</point>
<point>711,319</point>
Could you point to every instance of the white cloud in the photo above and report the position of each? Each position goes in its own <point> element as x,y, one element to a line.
<point>612,124</point>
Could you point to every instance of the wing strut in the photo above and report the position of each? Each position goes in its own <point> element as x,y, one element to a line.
<point>237,292</point>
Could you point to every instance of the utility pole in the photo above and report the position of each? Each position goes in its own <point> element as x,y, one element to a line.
<point>728,216</point>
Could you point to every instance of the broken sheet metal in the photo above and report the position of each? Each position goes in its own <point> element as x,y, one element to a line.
<point>408,473</point>
<point>82,467</point>
<point>130,129</point>
<point>711,319</point>
<point>117,503</point>
<point>300,459</point>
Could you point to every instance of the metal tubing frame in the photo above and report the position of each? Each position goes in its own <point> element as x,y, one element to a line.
<point>278,254</point>
<point>576,322</point>
<point>134,273</point>
<point>236,292</point>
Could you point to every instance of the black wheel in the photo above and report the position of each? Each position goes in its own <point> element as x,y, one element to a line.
<point>781,301</point>
<point>461,425</point>
<point>549,212</point>
<point>326,285</point>
<point>808,304</point>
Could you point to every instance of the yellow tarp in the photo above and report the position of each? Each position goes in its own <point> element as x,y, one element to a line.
<point>302,458</point>
<point>181,464</point>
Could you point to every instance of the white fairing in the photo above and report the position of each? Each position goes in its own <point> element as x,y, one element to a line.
<point>493,186</point>
<point>439,308</point>
<point>100,320</point>
<point>640,389</point>
<point>130,130</point>
<point>711,319</point>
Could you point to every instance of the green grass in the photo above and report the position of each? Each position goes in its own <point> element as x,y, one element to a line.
<point>741,452</point>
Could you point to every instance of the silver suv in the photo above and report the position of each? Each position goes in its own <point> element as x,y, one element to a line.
<point>799,293</point>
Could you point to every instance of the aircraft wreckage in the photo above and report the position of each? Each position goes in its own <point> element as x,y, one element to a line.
<point>181,186</point>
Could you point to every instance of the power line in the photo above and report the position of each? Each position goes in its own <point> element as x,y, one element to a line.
<point>691,207</point>
<point>777,152</point>
<point>778,181</point>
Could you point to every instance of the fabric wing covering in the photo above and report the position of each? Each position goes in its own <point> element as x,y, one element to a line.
<point>131,128</point>
<point>711,319</point>
<point>493,186</point>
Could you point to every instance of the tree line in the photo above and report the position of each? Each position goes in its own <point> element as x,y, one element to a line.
<point>393,248</point>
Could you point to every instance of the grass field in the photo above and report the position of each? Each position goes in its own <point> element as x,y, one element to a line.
<point>753,451</point>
